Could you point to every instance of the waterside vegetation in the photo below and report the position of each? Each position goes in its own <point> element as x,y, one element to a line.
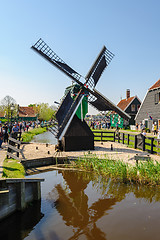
<point>28,136</point>
<point>142,173</point>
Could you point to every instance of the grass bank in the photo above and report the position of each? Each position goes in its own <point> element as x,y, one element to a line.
<point>13,169</point>
<point>28,136</point>
<point>143,173</point>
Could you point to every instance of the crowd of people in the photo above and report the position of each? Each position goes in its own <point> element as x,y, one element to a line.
<point>12,129</point>
<point>99,124</point>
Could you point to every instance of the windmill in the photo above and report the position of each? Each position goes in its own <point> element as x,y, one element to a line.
<point>71,130</point>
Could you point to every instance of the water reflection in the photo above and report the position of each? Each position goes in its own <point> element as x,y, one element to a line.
<point>73,207</point>
<point>73,204</point>
<point>80,205</point>
<point>19,225</point>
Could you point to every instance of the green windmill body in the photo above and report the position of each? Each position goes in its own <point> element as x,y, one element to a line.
<point>83,107</point>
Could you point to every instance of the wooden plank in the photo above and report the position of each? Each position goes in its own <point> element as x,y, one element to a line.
<point>28,180</point>
<point>107,136</point>
<point>4,191</point>
<point>148,144</point>
<point>150,138</point>
<point>14,148</point>
<point>14,140</point>
<point>13,156</point>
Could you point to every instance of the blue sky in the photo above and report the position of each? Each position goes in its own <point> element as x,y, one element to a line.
<point>77,31</point>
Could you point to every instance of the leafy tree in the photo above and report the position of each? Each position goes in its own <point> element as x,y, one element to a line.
<point>6,107</point>
<point>43,110</point>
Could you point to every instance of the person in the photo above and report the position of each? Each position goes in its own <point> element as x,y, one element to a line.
<point>1,135</point>
<point>5,133</point>
<point>27,126</point>
<point>155,128</point>
<point>15,130</point>
<point>137,126</point>
<point>158,136</point>
<point>33,125</point>
<point>117,128</point>
<point>144,132</point>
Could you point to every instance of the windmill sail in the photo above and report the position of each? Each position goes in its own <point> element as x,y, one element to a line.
<point>45,51</point>
<point>102,61</point>
<point>103,104</point>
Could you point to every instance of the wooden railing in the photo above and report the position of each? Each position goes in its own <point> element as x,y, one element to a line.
<point>13,147</point>
<point>149,144</point>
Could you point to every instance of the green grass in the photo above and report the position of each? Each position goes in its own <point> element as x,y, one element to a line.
<point>28,136</point>
<point>13,169</point>
<point>143,173</point>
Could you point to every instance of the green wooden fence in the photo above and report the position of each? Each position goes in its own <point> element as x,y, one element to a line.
<point>149,144</point>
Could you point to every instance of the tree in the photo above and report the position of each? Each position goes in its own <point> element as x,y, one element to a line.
<point>6,106</point>
<point>43,110</point>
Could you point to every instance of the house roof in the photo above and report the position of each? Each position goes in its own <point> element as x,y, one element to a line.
<point>1,114</point>
<point>124,103</point>
<point>26,112</point>
<point>156,85</point>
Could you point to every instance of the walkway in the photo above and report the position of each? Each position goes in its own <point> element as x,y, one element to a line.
<point>119,152</point>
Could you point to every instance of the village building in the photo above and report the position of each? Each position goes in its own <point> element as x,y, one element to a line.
<point>26,114</point>
<point>129,105</point>
<point>2,115</point>
<point>22,114</point>
<point>149,111</point>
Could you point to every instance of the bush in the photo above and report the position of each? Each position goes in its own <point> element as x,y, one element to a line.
<point>3,120</point>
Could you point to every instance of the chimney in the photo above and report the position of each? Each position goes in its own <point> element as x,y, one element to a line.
<point>127,93</point>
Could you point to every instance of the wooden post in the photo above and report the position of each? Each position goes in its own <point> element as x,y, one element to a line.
<point>143,147</point>
<point>152,140</point>
<point>18,146</point>
<point>101,136</point>
<point>123,137</point>
<point>21,203</point>
<point>119,136</point>
<point>135,142</point>
<point>128,139</point>
<point>113,136</point>
<point>36,191</point>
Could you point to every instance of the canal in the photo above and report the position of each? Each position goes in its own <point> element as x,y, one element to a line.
<point>81,205</point>
<point>46,137</point>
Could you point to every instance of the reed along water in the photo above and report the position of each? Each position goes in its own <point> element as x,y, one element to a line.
<point>79,205</point>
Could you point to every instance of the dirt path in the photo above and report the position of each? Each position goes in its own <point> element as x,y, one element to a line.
<point>119,152</point>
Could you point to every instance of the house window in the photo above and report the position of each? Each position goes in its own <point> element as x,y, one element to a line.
<point>157,98</point>
<point>133,107</point>
<point>138,106</point>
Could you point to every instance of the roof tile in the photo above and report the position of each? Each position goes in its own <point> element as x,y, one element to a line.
<point>156,85</point>
<point>26,112</point>
<point>124,103</point>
